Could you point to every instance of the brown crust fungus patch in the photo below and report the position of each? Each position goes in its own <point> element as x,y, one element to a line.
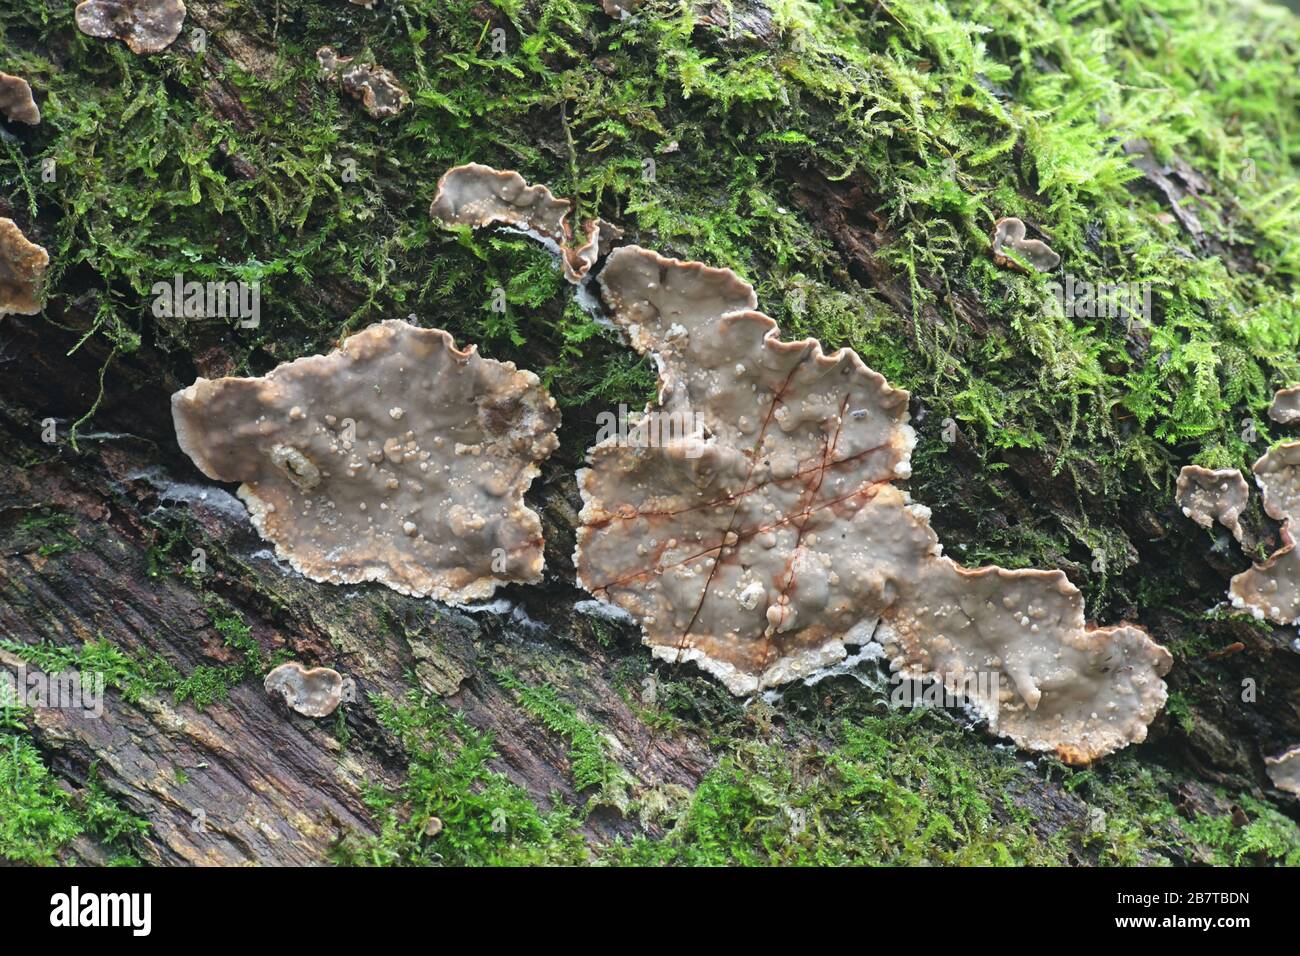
<point>766,535</point>
<point>311,691</point>
<point>475,195</point>
<point>1208,495</point>
<point>146,26</point>
<point>1286,406</point>
<point>16,100</point>
<point>396,458</point>
<point>1009,234</point>
<point>375,86</point>
<point>22,270</point>
<point>1284,770</point>
<point>1271,590</point>
<point>620,9</point>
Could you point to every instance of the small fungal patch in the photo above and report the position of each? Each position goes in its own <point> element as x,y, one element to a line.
<point>429,503</point>
<point>1207,496</point>
<point>145,26</point>
<point>375,86</point>
<point>1286,406</point>
<point>475,195</point>
<point>312,692</point>
<point>1284,770</point>
<point>620,9</point>
<point>16,100</point>
<point>1009,237</point>
<point>22,271</point>
<point>1271,590</point>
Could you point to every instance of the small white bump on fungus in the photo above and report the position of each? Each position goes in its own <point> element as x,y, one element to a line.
<point>1284,770</point>
<point>22,271</point>
<point>429,504</point>
<point>375,86</point>
<point>1009,235</point>
<point>767,547</point>
<point>1208,495</point>
<point>16,100</point>
<point>311,691</point>
<point>475,195</point>
<point>145,26</point>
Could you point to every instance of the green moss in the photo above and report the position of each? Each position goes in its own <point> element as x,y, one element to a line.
<point>590,764</point>
<point>46,532</point>
<point>1269,837</point>
<point>485,818</point>
<point>134,677</point>
<point>892,790</point>
<point>39,818</point>
<point>140,674</point>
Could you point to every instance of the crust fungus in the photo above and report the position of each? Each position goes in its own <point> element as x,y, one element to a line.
<point>766,535</point>
<point>396,458</point>
<point>1272,590</point>
<point>1286,406</point>
<point>1009,234</point>
<point>146,26</point>
<point>375,86</point>
<point>312,692</point>
<point>1207,496</point>
<point>475,195</point>
<point>16,100</point>
<point>1284,770</point>
<point>22,269</point>
<point>620,9</point>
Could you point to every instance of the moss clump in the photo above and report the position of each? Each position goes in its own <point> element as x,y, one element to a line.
<point>590,764</point>
<point>486,820</point>
<point>892,790</point>
<point>39,818</point>
<point>138,675</point>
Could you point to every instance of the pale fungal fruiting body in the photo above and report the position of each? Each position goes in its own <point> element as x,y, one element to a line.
<point>1286,406</point>
<point>22,270</point>
<point>1272,590</point>
<point>764,548</point>
<point>16,100</point>
<point>1209,495</point>
<point>1009,235</point>
<point>620,9</point>
<point>396,458</point>
<point>376,87</point>
<point>1284,770</point>
<point>1269,590</point>
<point>476,196</point>
<point>312,692</point>
<point>146,26</point>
